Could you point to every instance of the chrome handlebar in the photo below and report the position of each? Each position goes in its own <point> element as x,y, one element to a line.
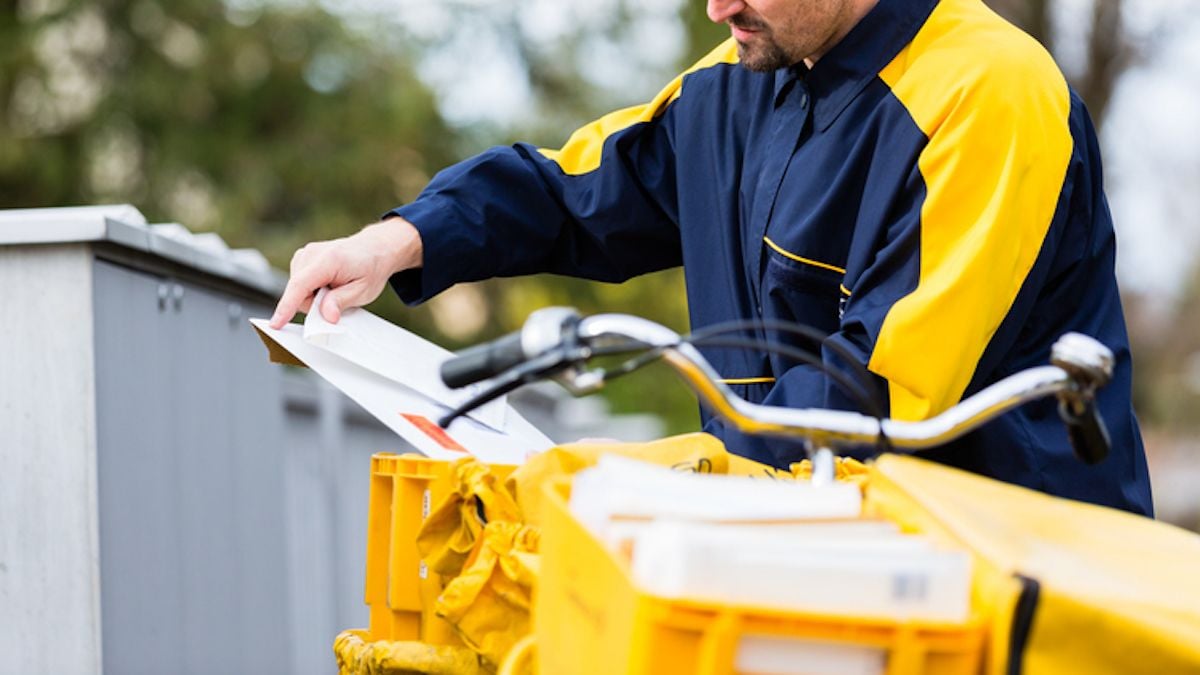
<point>557,344</point>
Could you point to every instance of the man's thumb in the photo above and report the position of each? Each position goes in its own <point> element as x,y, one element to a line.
<point>338,299</point>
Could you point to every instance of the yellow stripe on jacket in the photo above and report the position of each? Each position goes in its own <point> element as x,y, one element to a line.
<point>995,110</point>
<point>581,154</point>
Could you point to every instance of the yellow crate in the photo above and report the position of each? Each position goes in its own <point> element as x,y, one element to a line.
<point>400,591</point>
<point>589,619</point>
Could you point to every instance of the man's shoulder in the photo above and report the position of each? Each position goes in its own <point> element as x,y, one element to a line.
<point>965,45</point>
<point>967,54</point>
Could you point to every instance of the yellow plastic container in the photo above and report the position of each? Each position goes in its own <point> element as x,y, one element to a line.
<point>400,591</point>
<point>589,618</point>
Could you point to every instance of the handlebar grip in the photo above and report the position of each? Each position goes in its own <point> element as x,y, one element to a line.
<point>1087,432</point>
<point>483,361</point>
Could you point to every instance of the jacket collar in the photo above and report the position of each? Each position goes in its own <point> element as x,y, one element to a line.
<point>839,76</point>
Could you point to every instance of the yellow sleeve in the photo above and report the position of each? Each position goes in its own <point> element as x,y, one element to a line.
<point>995,110</point>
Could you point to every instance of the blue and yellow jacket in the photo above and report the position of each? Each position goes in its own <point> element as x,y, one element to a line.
<point>930,194</point>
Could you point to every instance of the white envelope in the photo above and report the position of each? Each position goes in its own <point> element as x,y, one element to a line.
<point>397,395</point>
<point>368,341</point>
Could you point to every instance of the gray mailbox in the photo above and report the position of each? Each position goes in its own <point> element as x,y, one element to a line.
<point>169,500</point>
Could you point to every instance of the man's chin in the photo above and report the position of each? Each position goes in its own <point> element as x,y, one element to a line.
<point>758,59</point>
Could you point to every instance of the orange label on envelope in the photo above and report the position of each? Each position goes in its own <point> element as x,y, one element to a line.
<point>435,432</point>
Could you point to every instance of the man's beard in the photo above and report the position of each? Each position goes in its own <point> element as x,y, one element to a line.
<point>764,56</point>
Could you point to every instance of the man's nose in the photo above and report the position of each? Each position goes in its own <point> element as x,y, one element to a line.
<point>719,11</point>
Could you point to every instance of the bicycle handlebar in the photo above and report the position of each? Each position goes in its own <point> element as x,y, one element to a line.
<point>483,361</point>
<point>562,343</point>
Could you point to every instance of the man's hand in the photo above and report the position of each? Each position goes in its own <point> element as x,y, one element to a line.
<point>355,268</point>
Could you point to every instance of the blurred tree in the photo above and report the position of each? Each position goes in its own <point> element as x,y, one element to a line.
<point>1107,50</point>
<point>576,61</point>
<point>272,125</point>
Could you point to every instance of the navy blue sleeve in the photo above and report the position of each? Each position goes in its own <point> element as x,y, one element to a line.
<point>602,208</point>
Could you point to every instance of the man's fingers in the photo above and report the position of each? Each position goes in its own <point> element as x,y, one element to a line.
<point>330,308</point>
<point>288,303</point>
<point>306,306</point>
<point>296,257</point>
<point>355,268</point>
<point>288,307</point>
<point>313,267</point>
<point>342,298</point>
<point>297,296</point>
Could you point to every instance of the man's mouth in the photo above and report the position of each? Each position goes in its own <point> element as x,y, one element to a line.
<point>744,28</point>
<point>742,34</point>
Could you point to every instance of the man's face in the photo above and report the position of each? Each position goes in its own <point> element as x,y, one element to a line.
<point>773,34</point>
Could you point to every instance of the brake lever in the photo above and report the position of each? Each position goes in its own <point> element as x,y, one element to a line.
<point>1085,429</point>
<point>534,369</point>
<point>1090,366</point>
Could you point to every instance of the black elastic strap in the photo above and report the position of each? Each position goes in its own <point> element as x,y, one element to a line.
<point>1022,622</point>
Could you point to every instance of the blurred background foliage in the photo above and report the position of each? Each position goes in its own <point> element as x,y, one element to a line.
<point>277,122</point>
